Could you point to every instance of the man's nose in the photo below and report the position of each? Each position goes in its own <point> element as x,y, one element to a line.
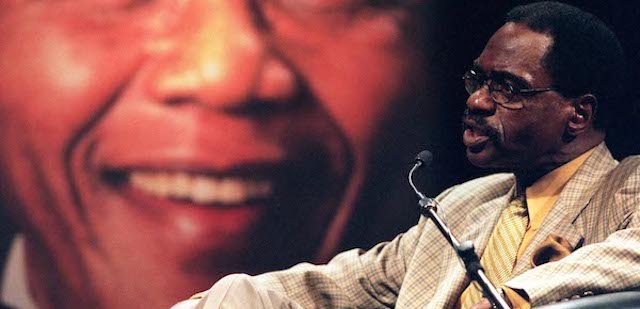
<point>220,55</point>
<point>481,102</point>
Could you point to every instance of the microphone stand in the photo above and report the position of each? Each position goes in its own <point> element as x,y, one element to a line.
<point>465,250</point>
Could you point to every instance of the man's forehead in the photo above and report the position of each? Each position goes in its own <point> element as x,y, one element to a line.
<point>517,50</point>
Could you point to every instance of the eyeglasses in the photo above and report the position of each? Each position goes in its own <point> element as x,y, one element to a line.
<point>502,90</point>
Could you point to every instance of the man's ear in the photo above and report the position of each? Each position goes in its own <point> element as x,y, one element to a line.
<point>584,113</point>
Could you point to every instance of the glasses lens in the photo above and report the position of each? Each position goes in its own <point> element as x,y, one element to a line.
<point>500,92</point>
<point>471,82</point>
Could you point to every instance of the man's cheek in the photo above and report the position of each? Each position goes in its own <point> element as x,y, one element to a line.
<point>358,99</point>
<point>52,89</point>
<point>361,96</point>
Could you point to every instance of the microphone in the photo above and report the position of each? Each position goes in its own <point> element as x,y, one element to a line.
<point>423,158</point>
<point>465,250</point>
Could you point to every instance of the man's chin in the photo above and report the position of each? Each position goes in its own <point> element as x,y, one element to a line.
<point>481,157</point>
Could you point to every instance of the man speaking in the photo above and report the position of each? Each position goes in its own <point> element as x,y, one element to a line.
<point>562,223</point>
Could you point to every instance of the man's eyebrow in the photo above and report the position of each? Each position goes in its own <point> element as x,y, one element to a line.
<point>500,74</point>
<point>504,75</point>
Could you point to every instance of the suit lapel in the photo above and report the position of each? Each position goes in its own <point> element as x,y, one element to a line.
<point>572,200</point>
<point>453,277</point>
<point>483,220</point>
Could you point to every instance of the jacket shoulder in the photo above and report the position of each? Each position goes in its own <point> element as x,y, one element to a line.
<point>478,190</point>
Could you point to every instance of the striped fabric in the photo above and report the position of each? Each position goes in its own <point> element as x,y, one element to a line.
<point>500,256</point>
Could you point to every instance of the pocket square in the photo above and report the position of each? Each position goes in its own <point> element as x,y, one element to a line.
<point>552,249</point>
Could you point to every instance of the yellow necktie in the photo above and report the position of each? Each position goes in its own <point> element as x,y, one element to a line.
<point>500,254</point>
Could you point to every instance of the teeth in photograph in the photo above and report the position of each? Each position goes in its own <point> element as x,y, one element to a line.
<point>200,189</point>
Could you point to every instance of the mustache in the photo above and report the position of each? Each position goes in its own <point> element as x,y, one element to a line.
<point>480,124</point>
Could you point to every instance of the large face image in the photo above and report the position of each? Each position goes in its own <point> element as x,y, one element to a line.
<point>150,147</point>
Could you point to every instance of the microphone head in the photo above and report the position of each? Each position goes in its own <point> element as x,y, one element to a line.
<point>425,157</point>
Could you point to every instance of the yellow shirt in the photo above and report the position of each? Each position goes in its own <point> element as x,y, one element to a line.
<point>541,196</point>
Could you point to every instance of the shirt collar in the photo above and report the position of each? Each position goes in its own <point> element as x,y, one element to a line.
<point>553,182</point>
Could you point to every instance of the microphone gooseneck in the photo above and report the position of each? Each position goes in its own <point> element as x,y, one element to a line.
<point>464,250</point>
<point>424,158</point>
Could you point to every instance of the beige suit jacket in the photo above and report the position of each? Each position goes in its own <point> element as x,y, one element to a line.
<point>418,269</point>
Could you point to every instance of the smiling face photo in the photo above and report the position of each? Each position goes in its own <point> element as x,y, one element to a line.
<point>151,147</point>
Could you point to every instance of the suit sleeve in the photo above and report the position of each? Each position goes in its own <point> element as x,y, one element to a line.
<point>354,278</point>
<point>609,266</point>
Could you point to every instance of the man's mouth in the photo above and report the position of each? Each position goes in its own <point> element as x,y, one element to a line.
<point>196,187</point>
<point>257,183</point>
<point>200,188</point>
<point>475,137</point>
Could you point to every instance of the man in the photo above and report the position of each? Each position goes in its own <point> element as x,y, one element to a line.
<point>540,97</point>
<point>150,146</point>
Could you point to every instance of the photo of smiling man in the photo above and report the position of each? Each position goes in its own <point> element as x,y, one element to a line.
<point>148,147</point>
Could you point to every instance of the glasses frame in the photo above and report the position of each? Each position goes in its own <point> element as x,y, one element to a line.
<point>508,92</point>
